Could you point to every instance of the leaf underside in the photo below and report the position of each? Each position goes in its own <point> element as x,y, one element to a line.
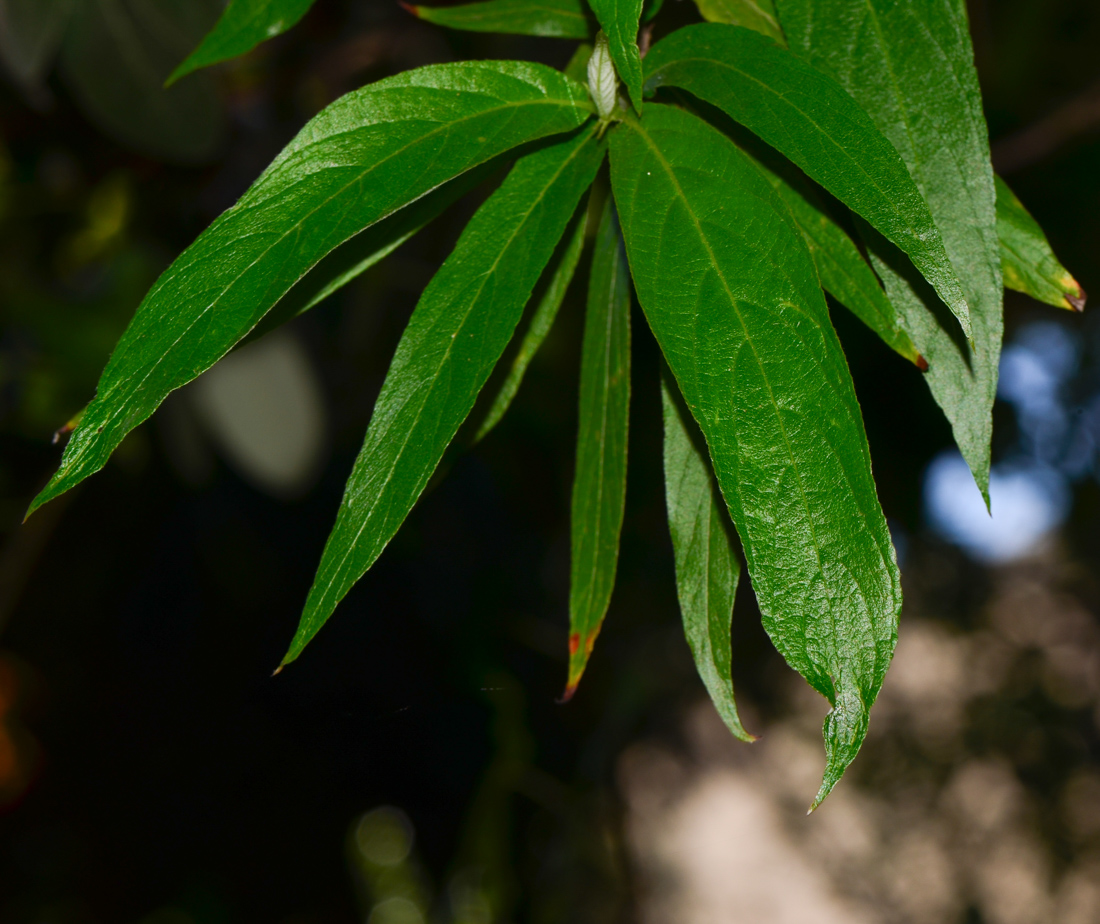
<point>731,294</point>
<point>707,569</point>
<point>1027,260</point>
<point>460,327</point>
<point>911,67</point>
<point>347,169</point>
<point>599,483</point>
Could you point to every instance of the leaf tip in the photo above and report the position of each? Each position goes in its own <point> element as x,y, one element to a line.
<point>921,363</point>
<point>409,7</point>
<point>278,670</point>
<point>1077,302</point>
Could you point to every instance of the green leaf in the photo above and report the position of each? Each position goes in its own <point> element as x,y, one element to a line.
<point>911,67</point>
<point>843,272</point>
<point>114,59</point>
<point>599,483</point>
<point>243,26</point>
<point>808,117</point>
<point>367,155</point>
<point>553,18</point>
<point>577,68</point>
<point>458,331</point>
<point>619,20</point>
<point>541,321</point>
<point>752,14</point>
<point>1027,261</point>
<point>707,569</point>
<point>732,296</point>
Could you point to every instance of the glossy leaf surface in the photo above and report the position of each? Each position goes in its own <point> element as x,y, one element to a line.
<point>363,158</point>
<point>243,26</point>
<point>553,18</point>
<point>911,67</point>
<point>732,296</point>
<point>707,569</point>
<point>1027,260</point>
<point>752,14</point>
<point>458,331</point>
<point>808,117</point>
<point>562,270</point>
<point>599,483</point>
<point>619,20</point>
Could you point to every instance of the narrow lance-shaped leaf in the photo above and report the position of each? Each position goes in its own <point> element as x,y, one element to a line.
<point>541,321</point>
<point>808,117</point>
<point>243,26</point>
<point>599,483</point>
<point>732,296</point>
<point>752,14</point>
<point>707,569</point>
<point>552,18</point>
<point>458,331</point>
<point>364,157</point>
<point>911,67</point>
<point>619,20</point>
<point>1027,260</point>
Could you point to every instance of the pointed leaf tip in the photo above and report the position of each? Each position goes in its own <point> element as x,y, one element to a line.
<point>1077,302</point>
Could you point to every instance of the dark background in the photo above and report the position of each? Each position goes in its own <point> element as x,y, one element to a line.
<point>150,761</point>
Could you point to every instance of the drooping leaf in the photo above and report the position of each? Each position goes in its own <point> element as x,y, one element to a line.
<point>458,331</point>
<point>732,296</point>
<point>1027,260</point>
<point>114,59</point>
<point>911,67</point>
<point>619,21</point>
<point>752,14</point>
<point>707,569</point>
<point>367,155</point>
<point>553,18</point>
<point>541,321</point>
<point>243,26</point>
<point>30,36</point>
<point>808,117</point>
<point>599,483</point>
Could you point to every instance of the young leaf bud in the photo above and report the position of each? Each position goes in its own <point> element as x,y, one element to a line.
<point>603,82</point>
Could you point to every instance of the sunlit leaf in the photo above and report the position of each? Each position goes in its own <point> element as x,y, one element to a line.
<point>619,20</point>
<point>599,483</point>
<point>553,18</point>
<point>732,296</point>
<point>243,26</point>
<point>541,321</point>
<point>752,14</point>
<point>458,331</point>
<point>367,155</point>
<point>1027,260</point>
<point>808,117</point>
<point>911,67</point>
<point>707,569</point>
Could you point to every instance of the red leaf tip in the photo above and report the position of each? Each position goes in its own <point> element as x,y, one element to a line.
<point>415,10</point>
<point>1077,302</point>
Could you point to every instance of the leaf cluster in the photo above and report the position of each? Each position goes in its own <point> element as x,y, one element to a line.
<point>755,163</point>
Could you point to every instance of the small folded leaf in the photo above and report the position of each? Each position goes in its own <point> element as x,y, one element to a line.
<point>243,26</point>
<point>1027,260</point>
<point>910,66</point>
<point>458,331</point>
<point>541,321</point>
<point>732,296</point>
<point>808,117</point>
<point>363,158</point>
<point>552,18</point>
<point>599,484</point>
<point>752,14</point>
<point>707,569</point>
<point>619,20</point>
